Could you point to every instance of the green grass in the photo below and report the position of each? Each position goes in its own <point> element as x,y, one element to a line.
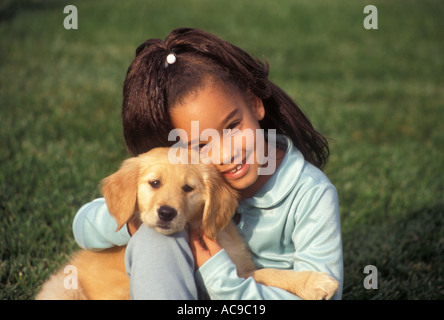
<point>377,94</point>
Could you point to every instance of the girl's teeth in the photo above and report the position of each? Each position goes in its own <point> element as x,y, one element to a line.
<point>235,169</point>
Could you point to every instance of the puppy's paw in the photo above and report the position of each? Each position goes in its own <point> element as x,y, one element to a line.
<point>319,286</point>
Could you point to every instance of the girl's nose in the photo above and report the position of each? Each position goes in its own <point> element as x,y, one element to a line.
<point>227,149</point>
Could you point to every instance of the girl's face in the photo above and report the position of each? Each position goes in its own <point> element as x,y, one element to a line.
<point>217,108</point>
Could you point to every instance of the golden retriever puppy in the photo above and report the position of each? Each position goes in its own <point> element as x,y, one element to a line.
<point>170,197</point>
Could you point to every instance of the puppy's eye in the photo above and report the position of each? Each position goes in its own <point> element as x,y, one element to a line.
<point>187,188</point>
<point>155,184</point>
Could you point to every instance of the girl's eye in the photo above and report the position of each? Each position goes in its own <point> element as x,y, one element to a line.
<point>233,125</point>
<point>154,184</point>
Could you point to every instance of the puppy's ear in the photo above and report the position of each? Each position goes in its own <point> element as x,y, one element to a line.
<point>120,191</point>
<point>220,203</point>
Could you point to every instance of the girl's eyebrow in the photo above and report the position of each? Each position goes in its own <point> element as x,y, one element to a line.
<point>229,116</point>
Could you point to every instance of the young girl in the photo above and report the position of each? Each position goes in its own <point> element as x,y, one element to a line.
<point>289,218</point>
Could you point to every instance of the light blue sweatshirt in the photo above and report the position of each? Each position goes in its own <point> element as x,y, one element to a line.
<point>291,223</point>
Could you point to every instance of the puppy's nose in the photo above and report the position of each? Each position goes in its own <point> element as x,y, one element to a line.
<point>166,213</point>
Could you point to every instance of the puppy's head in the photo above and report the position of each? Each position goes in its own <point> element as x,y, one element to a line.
<point>169,196</point>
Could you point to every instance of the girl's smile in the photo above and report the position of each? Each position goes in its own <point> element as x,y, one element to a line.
<point>237,172</point>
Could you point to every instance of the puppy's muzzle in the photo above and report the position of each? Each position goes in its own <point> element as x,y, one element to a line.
<point>166,213</point>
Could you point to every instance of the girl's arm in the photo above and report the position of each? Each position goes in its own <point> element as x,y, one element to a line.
<point>317,236</point>
<point>217,274</point>
<point>318,247</point>
<point>95,228</point>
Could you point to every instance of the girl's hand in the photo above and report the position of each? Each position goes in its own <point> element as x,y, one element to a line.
<point>202,247</point>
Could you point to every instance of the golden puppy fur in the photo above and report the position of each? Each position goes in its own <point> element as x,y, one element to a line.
<point>191,195</point>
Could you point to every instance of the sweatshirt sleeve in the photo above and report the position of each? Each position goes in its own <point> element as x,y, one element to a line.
<point>218,276</point>
<point>318,247</point>
<point>95,228</point>
<point>317,234</point>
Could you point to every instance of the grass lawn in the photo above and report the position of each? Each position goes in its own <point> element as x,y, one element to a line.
<point>377,94</point>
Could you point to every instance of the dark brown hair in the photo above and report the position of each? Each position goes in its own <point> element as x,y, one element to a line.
<point>152,87</point>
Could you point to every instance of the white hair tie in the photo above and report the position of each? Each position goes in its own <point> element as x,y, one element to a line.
<point>170,59</point>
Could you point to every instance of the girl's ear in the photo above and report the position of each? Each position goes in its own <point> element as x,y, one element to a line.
<point>258,108</point>
<point>220,203</point>
<point>120,191</point>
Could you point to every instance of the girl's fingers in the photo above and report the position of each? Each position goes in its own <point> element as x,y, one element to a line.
<point>202,247</point>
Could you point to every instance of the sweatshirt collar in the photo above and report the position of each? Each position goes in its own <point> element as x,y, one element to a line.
<point>284,179</point>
